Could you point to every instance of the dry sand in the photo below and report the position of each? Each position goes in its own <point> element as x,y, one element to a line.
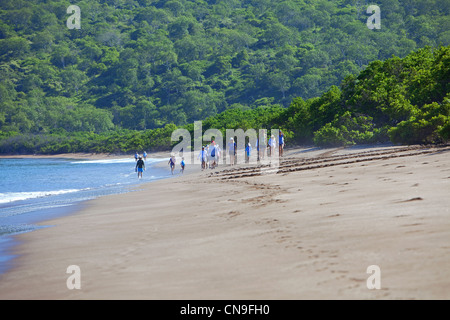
<point>307,232</point>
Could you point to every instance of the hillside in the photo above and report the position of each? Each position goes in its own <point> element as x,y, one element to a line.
<point>405,101</point>
<point>146,64</point>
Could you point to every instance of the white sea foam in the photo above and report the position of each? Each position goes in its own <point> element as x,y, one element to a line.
<point>104,161</point>
<point>113,161</point>
<point>18,196</point>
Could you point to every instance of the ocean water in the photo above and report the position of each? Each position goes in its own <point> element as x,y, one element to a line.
<point>35,190</point>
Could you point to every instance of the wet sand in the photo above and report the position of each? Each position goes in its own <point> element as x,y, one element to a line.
<point>308,231</point>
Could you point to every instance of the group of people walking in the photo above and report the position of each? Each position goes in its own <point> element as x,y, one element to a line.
<point>212,153</point>
<point>140,163</point>
<point>263,149</point>
<point>172,162</point>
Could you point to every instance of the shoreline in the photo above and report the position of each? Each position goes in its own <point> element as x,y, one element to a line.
<point>11,241</point>
<point>80,156</point>
<point>308,232</point>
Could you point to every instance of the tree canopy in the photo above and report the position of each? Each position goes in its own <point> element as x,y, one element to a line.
<point>143,65</point>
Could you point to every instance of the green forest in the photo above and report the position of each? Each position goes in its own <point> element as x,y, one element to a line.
<point>137,70</point>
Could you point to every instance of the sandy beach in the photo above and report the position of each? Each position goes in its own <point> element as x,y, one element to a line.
<point>308,231</point>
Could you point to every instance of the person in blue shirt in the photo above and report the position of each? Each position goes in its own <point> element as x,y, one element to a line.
<point>271,145</point>
<point>257,149</point>
<point>136,156</point>
<point>183,164</point>
<point>280,143</point>
<point>248,150</point>
<point>145,155</point>
<point>212,155</point>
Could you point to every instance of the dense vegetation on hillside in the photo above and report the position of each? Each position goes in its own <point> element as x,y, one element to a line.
<point>138,69</point>
<point>400,100</point>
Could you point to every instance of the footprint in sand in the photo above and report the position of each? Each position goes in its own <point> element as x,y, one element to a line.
<point>414,231</point>
<point>412,225</point>
<point>413,199</point>
<point>233,214</point>
<point>409,200</point>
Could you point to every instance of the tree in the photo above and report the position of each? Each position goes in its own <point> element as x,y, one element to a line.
<point>277,34</point>
<point>73,79</point>
<point>280,81</point>
<point>63,56</point>
<point>14,47</point>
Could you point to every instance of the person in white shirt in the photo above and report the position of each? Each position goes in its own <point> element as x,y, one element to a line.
<point>218,154</point>
<point>231,151</point>
<point>272,145</point>
<point>202,157</point>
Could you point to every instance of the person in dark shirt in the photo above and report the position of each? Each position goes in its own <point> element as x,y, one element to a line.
<point>172,163</point>
<point>140,167</point>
